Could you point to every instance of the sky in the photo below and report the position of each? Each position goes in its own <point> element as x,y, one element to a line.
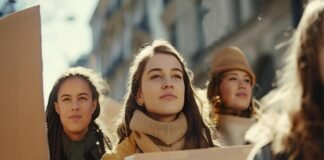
<point>66,34</point>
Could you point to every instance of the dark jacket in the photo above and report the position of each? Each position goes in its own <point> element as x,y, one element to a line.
<point>92,149</point>
<point>265,153</point>
<point>92,155</point>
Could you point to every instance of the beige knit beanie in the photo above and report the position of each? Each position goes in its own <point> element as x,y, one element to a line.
<point>231,58</point>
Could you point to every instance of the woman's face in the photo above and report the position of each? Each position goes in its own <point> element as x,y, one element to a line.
<point>236,90</point>
<point>75,107</point>
<point>162,87</point>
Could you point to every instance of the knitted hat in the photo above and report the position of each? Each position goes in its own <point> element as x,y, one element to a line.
<point>231,58</point>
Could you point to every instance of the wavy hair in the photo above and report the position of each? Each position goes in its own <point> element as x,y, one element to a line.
<point>300,129</point>
<point>305,139</point>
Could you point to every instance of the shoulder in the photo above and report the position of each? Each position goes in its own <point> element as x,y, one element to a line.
<point>264,129</point>
<point>261,151</point>
<point>125,148</point>
<point>92,155</point>
<point>128,144</point>
<point>265,152</point>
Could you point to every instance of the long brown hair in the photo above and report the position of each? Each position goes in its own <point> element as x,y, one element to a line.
<point>198,134</point>
<point>54,124</point>
<point>305,139</point>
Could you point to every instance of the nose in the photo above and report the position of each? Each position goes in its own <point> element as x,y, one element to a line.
<point>75,105</point>
<point>242,84</point>
<point>167,83</point>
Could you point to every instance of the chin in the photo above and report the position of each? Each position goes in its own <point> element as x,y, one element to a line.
<point>241,107</point>
<point>77,129</point>
<point>168,113</point>
<point>173,108</point>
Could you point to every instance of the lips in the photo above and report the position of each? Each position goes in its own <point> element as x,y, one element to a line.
<point>241,95</point>
<point>75,117</point>
<point>168,96</point>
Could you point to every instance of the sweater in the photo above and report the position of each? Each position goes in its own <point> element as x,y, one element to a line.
<point>149,135</point>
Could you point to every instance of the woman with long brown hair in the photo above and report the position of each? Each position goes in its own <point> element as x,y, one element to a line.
<point>160,110</point>
<point>300,132</point>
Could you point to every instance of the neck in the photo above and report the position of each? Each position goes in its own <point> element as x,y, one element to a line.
<point>75,136</point>
<point>232,129</point>
<point>163,118</point>
<point>230,111</point>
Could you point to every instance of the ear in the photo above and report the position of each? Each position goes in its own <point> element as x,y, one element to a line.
<point>139,98</point>
<point>57,108</point>
<point>94,106</point>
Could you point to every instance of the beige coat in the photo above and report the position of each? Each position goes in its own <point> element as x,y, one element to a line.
<point>126,148</point>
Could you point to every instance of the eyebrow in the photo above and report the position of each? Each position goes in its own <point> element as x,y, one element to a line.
<point>160,70</point>
<point>80,94</point>
<point>83,94</point>
<point>65,95</point>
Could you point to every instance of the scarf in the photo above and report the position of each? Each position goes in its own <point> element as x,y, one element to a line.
<point>156,136</point>
<point>76,150</point>
<point>232,129</point>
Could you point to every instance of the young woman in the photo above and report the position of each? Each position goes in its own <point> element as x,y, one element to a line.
<point>229,92</point>
<point>72,107</point>
<point>160,112</point>
<point>300,131</point>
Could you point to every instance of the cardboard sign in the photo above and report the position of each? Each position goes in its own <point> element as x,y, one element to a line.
<point>226,153</point>
<point>22,115</point>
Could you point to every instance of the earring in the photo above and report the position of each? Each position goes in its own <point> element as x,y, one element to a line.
<point>216,100</point>
<point>140,104</point>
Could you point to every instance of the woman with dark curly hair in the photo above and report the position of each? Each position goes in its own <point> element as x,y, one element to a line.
<point>301,131</point>
<point>71,111</point>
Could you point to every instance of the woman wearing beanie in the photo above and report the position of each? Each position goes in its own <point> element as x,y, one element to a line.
<point>229,92</point>
<point>160,111</point>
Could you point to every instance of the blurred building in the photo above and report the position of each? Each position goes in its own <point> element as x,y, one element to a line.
<point>260,28</point>
<point>119,28</point>
<point>196,28</point>
<point>7,7</point>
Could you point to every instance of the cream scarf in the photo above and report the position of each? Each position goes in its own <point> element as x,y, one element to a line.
<point>232,129</point>
<point>155,136</point>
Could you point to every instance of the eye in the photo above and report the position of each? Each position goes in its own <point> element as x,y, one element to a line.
<point>156,76</point>
<point>66,99</point>
<point>177,76</point>
<point>232,78</point>
<point>247,80</point>
<point>83,98</point>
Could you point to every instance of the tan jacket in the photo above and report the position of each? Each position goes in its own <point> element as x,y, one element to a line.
<point>126,148</point>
